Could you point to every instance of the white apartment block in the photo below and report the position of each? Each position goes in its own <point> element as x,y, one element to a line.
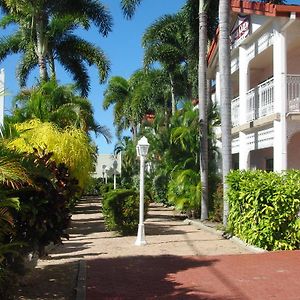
<point>265,83</point>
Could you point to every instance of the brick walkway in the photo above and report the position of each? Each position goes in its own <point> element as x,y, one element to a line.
<point>175,264</point>
<point>251,276</point>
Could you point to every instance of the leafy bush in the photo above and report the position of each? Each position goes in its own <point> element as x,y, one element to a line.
<point>160,187</point>
<point>184,191</point>
<point>264,208</point>
<point>105,188</point>
<point>44,213</point>
<point>216,201</point>
<point>121,211</point>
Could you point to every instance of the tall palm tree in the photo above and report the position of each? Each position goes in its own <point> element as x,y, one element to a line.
<point>165,42</point>
<point>225,92</point>
<point>202,92</point>
<point>45,34</point>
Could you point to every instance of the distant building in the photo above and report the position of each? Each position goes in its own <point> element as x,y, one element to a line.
<point>265,82</point>
<point>106,163</point>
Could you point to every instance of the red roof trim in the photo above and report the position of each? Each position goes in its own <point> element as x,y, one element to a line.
<point>256,8</point>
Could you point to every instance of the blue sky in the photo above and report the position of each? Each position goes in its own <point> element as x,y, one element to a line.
<point>122,47</point>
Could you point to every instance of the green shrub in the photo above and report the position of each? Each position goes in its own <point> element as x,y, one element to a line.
<point>121,211</point>
<point>264,208</point>
<point>160,187</point>
<point>184,191</point>
<point>105,188</point>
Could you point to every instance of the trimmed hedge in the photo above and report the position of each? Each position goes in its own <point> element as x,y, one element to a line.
<point>264,208</point>
<point>121,211</point>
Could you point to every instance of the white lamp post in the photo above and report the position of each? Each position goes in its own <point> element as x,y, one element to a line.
<point>115,165</point>
<point>103,172</point>
<point>106,171</point>
<point>142,150</point>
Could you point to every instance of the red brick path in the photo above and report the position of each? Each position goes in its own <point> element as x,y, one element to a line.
<point>249,276</point>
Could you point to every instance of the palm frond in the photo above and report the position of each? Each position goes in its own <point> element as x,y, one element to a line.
<point>129,7</point>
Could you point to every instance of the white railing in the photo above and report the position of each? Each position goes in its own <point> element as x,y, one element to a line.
<point>260,100</point>
<point>293,93</point>
<point>266,98</point>
<point>235,111</point>
<point>251,105</point>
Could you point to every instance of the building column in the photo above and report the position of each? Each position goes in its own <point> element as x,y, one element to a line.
<point>2,96</point>
<point>280,101</point>
<point>244,82</point>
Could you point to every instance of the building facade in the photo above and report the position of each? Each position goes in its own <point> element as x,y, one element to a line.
<point>265,85</point>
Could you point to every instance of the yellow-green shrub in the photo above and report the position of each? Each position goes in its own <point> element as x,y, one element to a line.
<point>70,146</point>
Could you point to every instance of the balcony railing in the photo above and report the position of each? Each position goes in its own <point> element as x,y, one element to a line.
<point>293,93</point>
<point>235,111</point>
<point>260,100</point>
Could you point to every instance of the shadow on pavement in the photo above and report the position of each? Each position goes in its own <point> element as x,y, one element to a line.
<point>146,277</point>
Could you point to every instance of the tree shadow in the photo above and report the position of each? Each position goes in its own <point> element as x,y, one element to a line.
<point>48,283</point>
<point>148,277</point>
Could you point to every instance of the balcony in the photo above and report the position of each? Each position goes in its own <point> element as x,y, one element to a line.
<point>235,111</point>
<point>260,100</point>
<point>293,93</point>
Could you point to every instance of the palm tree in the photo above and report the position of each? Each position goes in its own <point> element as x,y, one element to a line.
<point>57,104</point>
<point>202,92</point>
<point>143,92</point>
<point>165,42</point>
<point>44,35</point>
<point>225,92</point>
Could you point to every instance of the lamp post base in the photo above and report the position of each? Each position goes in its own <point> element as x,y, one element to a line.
<point>140,240</point>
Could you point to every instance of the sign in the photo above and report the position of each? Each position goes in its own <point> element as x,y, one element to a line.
<point>240,31</point>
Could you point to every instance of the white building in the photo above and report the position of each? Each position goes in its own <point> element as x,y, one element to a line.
<point>106,164</point>
<point>265,72</point>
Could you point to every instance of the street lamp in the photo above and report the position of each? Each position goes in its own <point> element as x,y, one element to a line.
<point>106,171</point>
<point>103,172</point>
<point>115,165</point>
<point>141,150</point>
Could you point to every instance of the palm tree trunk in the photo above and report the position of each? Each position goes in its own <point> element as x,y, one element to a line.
<point>225,94</point>
<point>202,92</point>
<point>172,94</point>
<point>52,67</point>
<point>41,48</point>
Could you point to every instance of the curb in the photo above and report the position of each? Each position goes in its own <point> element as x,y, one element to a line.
<point>220,233</point>
<point>81,281</point>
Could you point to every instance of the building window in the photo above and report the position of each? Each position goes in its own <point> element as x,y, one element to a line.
<point>269,164</point>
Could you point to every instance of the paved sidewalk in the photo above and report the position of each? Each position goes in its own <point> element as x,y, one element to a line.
<point>244,277</point>
<point>180,261</point>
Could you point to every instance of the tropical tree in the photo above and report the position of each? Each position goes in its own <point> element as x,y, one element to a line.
<point>50,102</point>
<point>225,92</point>
<point>144,92</point>
<point>202,92</point>
<point>165,42</point>
<point>45,34</point>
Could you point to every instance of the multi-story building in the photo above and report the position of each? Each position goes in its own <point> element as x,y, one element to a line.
<point>265,83</point>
